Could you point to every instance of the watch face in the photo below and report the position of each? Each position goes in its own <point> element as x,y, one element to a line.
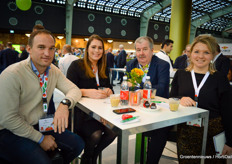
<point>66,102</point>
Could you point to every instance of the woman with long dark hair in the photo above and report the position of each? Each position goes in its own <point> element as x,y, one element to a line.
<point>89,74</point>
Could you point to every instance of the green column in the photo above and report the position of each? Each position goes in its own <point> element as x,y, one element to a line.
<point>69,20</point>
<point>180,25</point>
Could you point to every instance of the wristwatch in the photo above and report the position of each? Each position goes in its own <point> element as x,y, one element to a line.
<point>66,102</point>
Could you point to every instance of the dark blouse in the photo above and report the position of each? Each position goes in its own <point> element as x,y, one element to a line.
<point>214,96</point>
<point>76,73</point>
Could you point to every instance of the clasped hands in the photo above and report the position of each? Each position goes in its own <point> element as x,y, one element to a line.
<point>99,94</point>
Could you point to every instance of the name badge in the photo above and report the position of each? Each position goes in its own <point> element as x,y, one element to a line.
<point>46,124</point>
<point>196,122</point>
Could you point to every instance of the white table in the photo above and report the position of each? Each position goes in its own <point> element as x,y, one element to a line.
<point>98,108</point>
<point>115,69</point>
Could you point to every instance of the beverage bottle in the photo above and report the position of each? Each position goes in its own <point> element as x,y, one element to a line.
<point>147,89</point>
<point>124,92</point>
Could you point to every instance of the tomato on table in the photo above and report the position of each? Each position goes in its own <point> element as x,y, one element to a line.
<point>126,116</point>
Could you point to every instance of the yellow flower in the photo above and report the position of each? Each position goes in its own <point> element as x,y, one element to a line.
<point>138,71</point>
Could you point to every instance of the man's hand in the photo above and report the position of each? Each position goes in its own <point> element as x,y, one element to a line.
<point>226,150</point>
<point>187,101</point>
<point>48,143</point>
<point>61,118</point>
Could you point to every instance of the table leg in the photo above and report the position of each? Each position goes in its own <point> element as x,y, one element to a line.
<point>111,77</point>
<point>138,148</point>
<point>122,148</point>
<point>205,121</point>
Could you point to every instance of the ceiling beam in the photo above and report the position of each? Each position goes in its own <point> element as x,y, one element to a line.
<point>228,27</point>
<point>201,20</point>
<point>147,14</point>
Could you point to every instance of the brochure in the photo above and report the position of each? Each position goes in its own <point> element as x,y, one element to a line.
<point>219,142</point>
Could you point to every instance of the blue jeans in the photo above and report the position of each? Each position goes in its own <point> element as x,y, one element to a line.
<point>16,149</point>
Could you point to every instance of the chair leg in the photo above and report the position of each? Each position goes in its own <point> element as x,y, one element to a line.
<point>100,158</point>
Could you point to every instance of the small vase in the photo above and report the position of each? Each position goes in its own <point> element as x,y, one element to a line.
<point>134,98</point>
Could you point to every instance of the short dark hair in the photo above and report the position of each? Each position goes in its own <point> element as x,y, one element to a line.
<point>167,42</point>
<point>33,34</point>
<point>9,44</point>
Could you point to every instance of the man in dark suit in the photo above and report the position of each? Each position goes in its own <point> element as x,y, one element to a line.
<point>222,63</point>
<point>8,56</point>
<point>121,61</point>
<point>110,59</point>
<point>24,53</point>
<point>182,61</point>
<point>159,76</point>
<point>110,62</point>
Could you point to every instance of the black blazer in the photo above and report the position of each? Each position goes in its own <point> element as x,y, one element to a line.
<point>8,57</point>
<point>110,60</point>
<point>222,64</point>
<point>181,62</point>
<point>76,74</point>
<point>121,60</point>
<point>24,55</point>
<point>158,72</point>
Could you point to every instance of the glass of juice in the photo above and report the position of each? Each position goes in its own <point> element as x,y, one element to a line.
<point>114,100</point>
<point>174,104</point>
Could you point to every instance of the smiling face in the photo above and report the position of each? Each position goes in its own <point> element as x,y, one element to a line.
<point>95,51</point>
<point>201,57</point>
<point>42,51</point>
<point>143,52</point>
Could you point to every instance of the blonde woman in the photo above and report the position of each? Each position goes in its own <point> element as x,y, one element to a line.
<point>200,85</point>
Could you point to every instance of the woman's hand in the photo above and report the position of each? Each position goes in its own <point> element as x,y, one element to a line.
<point>108,91</point>
<point>226,150</point>
<point>94,93</point>
<point>187,101</point>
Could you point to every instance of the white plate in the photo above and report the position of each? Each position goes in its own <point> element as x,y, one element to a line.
<point>149,109</point>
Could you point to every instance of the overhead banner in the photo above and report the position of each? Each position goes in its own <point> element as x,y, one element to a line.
<point>226,48</point>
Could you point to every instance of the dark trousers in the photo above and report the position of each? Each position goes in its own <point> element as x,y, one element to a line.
<point>20,150</point>
<point>156,143</point>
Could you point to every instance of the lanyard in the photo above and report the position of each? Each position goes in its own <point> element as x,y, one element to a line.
<point>197,89</point>
<point>144,77</point>
<point>43,85</point>
<point>96,76</point>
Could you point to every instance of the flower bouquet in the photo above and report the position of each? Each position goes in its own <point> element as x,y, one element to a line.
<point>135,78</point>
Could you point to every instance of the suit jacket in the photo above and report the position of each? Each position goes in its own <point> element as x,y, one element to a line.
<point>121,61</point>
<point>158,72</point>
<point>181,62</point>
<point>8,57</point>
<point>24,55</point>
<point>222,64</point>
<point>110,60</point>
